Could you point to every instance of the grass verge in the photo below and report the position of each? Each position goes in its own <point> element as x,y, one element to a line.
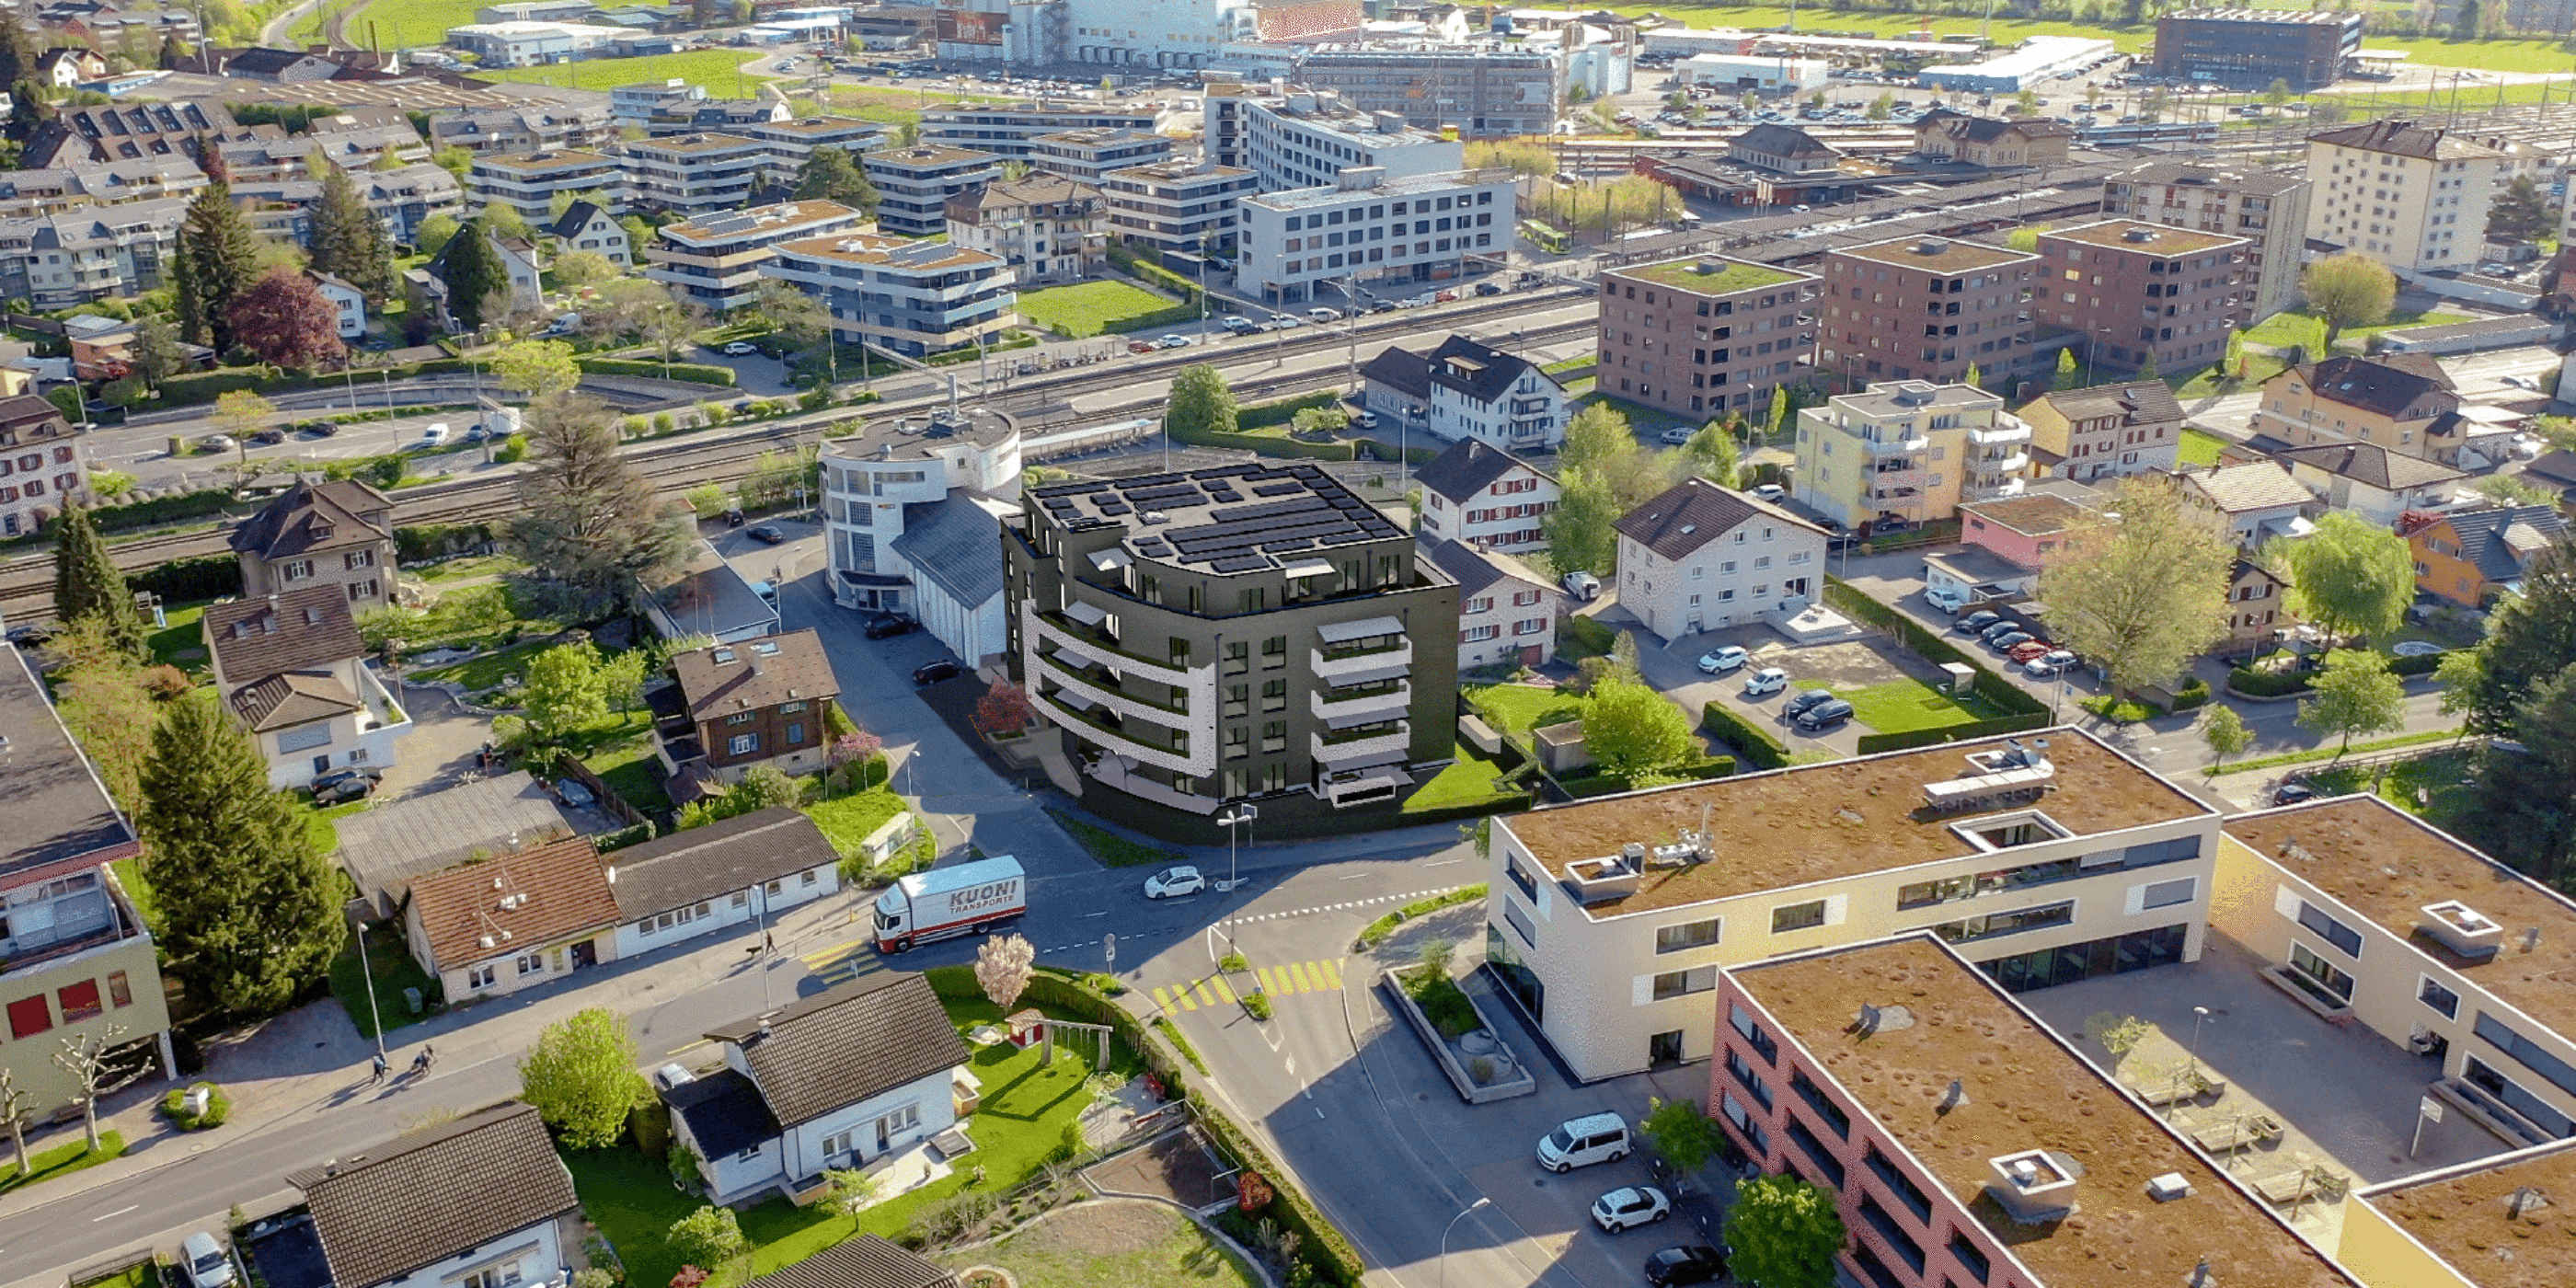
<point>63,1160</point>
<point>2315,754</point>
<point>2200,447</point>
<point>1903,706</point>
<point>1111,849</point>
<point>1377,931</point>
<point>1520,708</point>
<point>1469,780</point>
<point>1085,309</point>
<point>848,820</point>
<point>1180,1043</point>
<point>394,971</point>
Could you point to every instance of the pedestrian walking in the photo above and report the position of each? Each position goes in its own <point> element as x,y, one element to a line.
<point>380,1066</point>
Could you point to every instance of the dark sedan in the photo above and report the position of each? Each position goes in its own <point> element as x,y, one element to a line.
<point>1688,1265</point>
<point>889,625</point>
<point>767,534</point>
<point>934,672</point>
<point>345,785</point>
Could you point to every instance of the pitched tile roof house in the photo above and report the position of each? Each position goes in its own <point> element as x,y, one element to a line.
<point>1467,389</point>
<point>756,702</point>
<point>2470,557</point>
<point>387,846</point>
<point>863,1261</point>
<point>2399,400</point>
<point>2375,482</point>
<point>1506,609</point>
<point>836,1080</point>
<point>1486,497</point>
<point>744,869</point>
<point>485,1192</point>
<point>497,925</point>
<point>333,533</point>
<point>2249,503</point>
<point>292,667</point>
<point>2105,431</point>
<point>1699,557</point>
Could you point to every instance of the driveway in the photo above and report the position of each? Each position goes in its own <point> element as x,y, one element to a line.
<point>1673,669</point>
<point>444,745</point>
<point>1896,580</point>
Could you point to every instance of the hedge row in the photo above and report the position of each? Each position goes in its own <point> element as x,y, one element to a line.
<point>2420,664</point>
<point>1752,742</point>
<point>181,580</point>
<point>161,509</point>
<point>425,542</point>
<point>1386,451</point>
<point>2192,696</point>
<point>1995,689</point>
<point>1331,1255</point>
<point>1267,445</point>
<point>1871,743</point>
<point>2265,684</point>
<point>701,373</point>
<point>1264,415</point>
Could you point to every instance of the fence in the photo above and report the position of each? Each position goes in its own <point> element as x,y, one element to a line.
<point>609,801</point>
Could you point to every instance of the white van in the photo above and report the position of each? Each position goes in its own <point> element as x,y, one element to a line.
<point>1323,313</point>
<point>1581,1142</point>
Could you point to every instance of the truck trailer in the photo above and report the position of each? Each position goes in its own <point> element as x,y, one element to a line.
<point>968,899</point>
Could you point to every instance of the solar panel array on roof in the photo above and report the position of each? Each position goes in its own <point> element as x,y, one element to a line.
<point>1294,509</point>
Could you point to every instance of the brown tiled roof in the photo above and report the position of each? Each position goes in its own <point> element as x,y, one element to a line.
<point>2386,385</point>
<point>300,630</point>
<point>724,678</point>
<point>704,863</point>
<point>841,1046</point>
<point>291,698</point>
<point>1694,512</point>
<point>1467,467</point>
<point>533,897</point>
<point>29,416</point>
<point>864,1261</point>
<point>314,516</point>
<point>2371,464</point>
<point>2407,139</point>
<point>2255,485</point>
<point>424,1197</point>
<point>2138,402</point>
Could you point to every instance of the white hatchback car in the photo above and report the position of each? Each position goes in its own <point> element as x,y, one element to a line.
<point>1720,661</point>
<point>1626,1209</point>
<point>1172,883</point>
<point>1765,682</point>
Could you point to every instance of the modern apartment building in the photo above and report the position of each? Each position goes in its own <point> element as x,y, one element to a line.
<point>77,256</point>
<point>1480,90</point>
<point>2441,1229</point>
<point>1089,155</point>
<point>1010,129</point>
<point>910,509</point>
<point>1908,452</point>
<point>2413,197</point>
<point>1485,497</point>
<point>2251,48</point>
<point>2043,859</point>
<point>1466,390</point>
<point>531,128</point>
<point>914,184</point>
<point>75,956</point>
<point>1705,334</point>
<point>1370,228</point>
<point>98,183</point>
<point>2104,431</point>
<point>1186,206</point>
<point>1306,139</point>
<point>1047,227</point>
<point>528,181</point>
<point>793,141</point>
<point>1191,654</point>
<point>2368,915</point>
<point>714,260</point>
<point>2268,210</point>
<point>2144,294</point>
<point>915,298</point>
<point>1925,308</point>
<point>1966,1143</point>
<point>695,174</point>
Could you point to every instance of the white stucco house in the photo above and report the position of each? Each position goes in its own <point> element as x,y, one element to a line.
<point>1466,389</point>
<point>482,1199</point>
<point>837,1080</point>
<point>1485,497</point>
<point>1507,610</point>
<point>1700,557</point>
<point>348,304</point>
<point>741,871</point>
<point>913,509</point>
<point>292,667</point>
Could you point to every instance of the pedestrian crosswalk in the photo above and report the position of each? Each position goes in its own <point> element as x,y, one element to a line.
<point>1220,989</point>
<point>842,963</point>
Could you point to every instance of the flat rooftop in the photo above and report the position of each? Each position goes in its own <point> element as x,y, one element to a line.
<point>927,156</point>
<point>901,254</point>
<point>2258,15</point>
<point>1229,519</point>
<point>1711,275</point>
<point>693,144</point>
<point>564,159</point>
<point>1824,822</point>
<point>2143,237</point>
<point>780,220</point>
<point>2460,1213</point>
<point>1888,399</point>
<point>2034,516</point>
<point>1936,254</point>
<point>2387,865</point>
<point>1393,186</point>
<point>58,808</point>
<point>919,437</point>
<point>1179,171</point>
<point>2025,1091</point>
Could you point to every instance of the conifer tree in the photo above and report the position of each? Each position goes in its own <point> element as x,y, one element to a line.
<point>218,256</point>
<point>594,525</point>
<point>249,911</point>
<point>349,242</point>
<point>87,584</point>
<point>474,274</point>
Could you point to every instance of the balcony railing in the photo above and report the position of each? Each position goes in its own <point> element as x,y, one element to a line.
<point>1093,642</point>
<point>2001,435</point>
<point>1345,662</point>
<point>1989,465</point>
<point>1093,682</point>
<point>1342,749</point>
<point>109,921</point>
<point>1113,737</point>
<point>1395,701</point>
<point>1910,441</point>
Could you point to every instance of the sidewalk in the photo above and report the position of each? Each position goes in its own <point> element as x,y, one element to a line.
<point>299,1066</point>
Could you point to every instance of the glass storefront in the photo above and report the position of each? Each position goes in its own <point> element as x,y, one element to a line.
<point>2119,954</point>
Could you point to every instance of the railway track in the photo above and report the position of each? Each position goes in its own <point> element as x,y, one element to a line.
<point>26,582</point>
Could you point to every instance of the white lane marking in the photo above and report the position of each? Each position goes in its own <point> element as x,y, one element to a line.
<point>119,1212</point>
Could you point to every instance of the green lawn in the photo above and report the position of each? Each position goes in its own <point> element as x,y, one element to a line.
<point>1902,706</point>
<point>394,971</point>
<point>1155,1248</point>
<point>1111,849</point>
<point>469,566</point>
<point>486,672</point>
<point>1467,781</point>
<point>488,616</point>
<point>318,825</point>
<point>719,70</point>
<point>628,765</point>
<point>1520,708</point>
<point>129,874</point>
<point>1086,309</point>
<point>2430,785</point>
<point>181,643</point>
<point>2208,381</point>
<point>2200,447</point>
<point>142,1274</point>
<point>2298,326</point>
<point>1025,1110</point>
<point>62,1160</point>
<point>847,820</point>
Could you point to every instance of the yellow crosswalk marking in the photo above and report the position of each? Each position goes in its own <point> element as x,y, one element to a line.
<point>1262,973</point>
<point>1162,1000</point>
<point>1223,990</point>
<point>1206,998</point>
<point>1331,973</point>
<point>1304,984</point>
<point>1181,993</point>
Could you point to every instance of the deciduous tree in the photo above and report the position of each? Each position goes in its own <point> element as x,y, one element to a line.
<point>242,413</point>
<point>581,1077</point>
<point>2348,290</point>
<point>1578,531</point>
<point>249,909</point>
<point>2355,694</point>
<point>582,269</point>
<point>284,319</point>
<point>1711,454</point>
<point>87,586</point>
<point>109,700</point>
<point>1783,1233</point>
<point>1003,709</point>
<point>15,1102</point>
<point>2351,576</point>
<point>564,691</point>
<point>1633,731</point>
<point>1003,964</point>
<point>710,1236</point>
<point>157,355</point>
<point>2144,594</point>
<point>536,369</point>
<point>431,235</point>
<point>93,1061</point>
<point>2226,734</point>
<point>1680,1132</point>
<point>1201,403</point>
<point>2530,640</point>
<point>587,520</point>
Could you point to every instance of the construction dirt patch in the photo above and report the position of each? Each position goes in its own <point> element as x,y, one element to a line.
<point>1174,1166</point>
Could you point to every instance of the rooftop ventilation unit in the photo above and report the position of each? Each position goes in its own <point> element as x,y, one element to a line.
<point>2035,1186</point>
<point>1931,246</point>
<point>1610,878</point>
<point>2168,1187</point>
<point>2136,234</point>
<point>2462,929</point>
<point>2012,775</point>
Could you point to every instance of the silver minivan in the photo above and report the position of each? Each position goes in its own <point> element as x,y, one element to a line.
<point>206,1262</point>
<point>1581,1142</point>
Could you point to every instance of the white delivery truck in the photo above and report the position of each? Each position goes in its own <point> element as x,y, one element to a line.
<point>968,899</point>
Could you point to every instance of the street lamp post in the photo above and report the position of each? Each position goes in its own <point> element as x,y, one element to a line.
<point>2198,1015</point>
<point>370,973</point>
<point>1481,1201</point>
<point>1230,820</point>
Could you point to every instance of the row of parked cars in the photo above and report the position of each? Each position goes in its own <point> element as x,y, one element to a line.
<point>1810,710</point>
<point>1605,1138</point>
<point>2036,657</point>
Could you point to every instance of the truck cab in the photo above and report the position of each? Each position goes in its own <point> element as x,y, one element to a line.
<point>963,899</point>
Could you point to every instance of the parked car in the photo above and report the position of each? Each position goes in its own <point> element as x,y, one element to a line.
<point>1489,288</point>
<point>1582,585</point>
<point>1581,1142</point>
<point>1999,628</point>
<point>1364,419</point>
<point>889,625</point>
<point>767,534</point>
<point>1173,341</point>
<point>1284,322</point>
<point>1686,1265</point>
<point>318,429</point>
<point>2291,793</point>
<point>1676,436</point>
<point>1824,715</point>
<point>207,1263</point>
<point>1240,325</point>
<point>1765,682</point>
<point>1802,700</point>
<point>1324,313</point>
<point>934,672</point>
<point>1172,883</point>
<point>1384,306</point>
<point>341,785</point>
<point>217,442</point>
<point>2031,651</point>
<point>1948,599</point>
<point>2004,643</point>
<point>1140,346</point>
<point>1719,661</point>
<point>267,437</point>
<point>2049,663</point>
<point>431,439</point>
<point>741,349</point>
<point>672,1075</point>
<point>1771,492</point>
<point>1630,1207</point>
<point>1976,622</point>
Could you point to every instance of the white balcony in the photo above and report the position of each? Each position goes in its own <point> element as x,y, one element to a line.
<point>1119,774</point>
<point>1991,465</point>
<point>2007,431</point>
<point>1904,443</point>
<point>1375,748</point>
<point>1353,667</point>
<point>1364,707</point>
<point>1078,716</point>
<point>1383,782</point>
<point>1061,669</point>
<point>1994,491</point>
<point>1034,625</point>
